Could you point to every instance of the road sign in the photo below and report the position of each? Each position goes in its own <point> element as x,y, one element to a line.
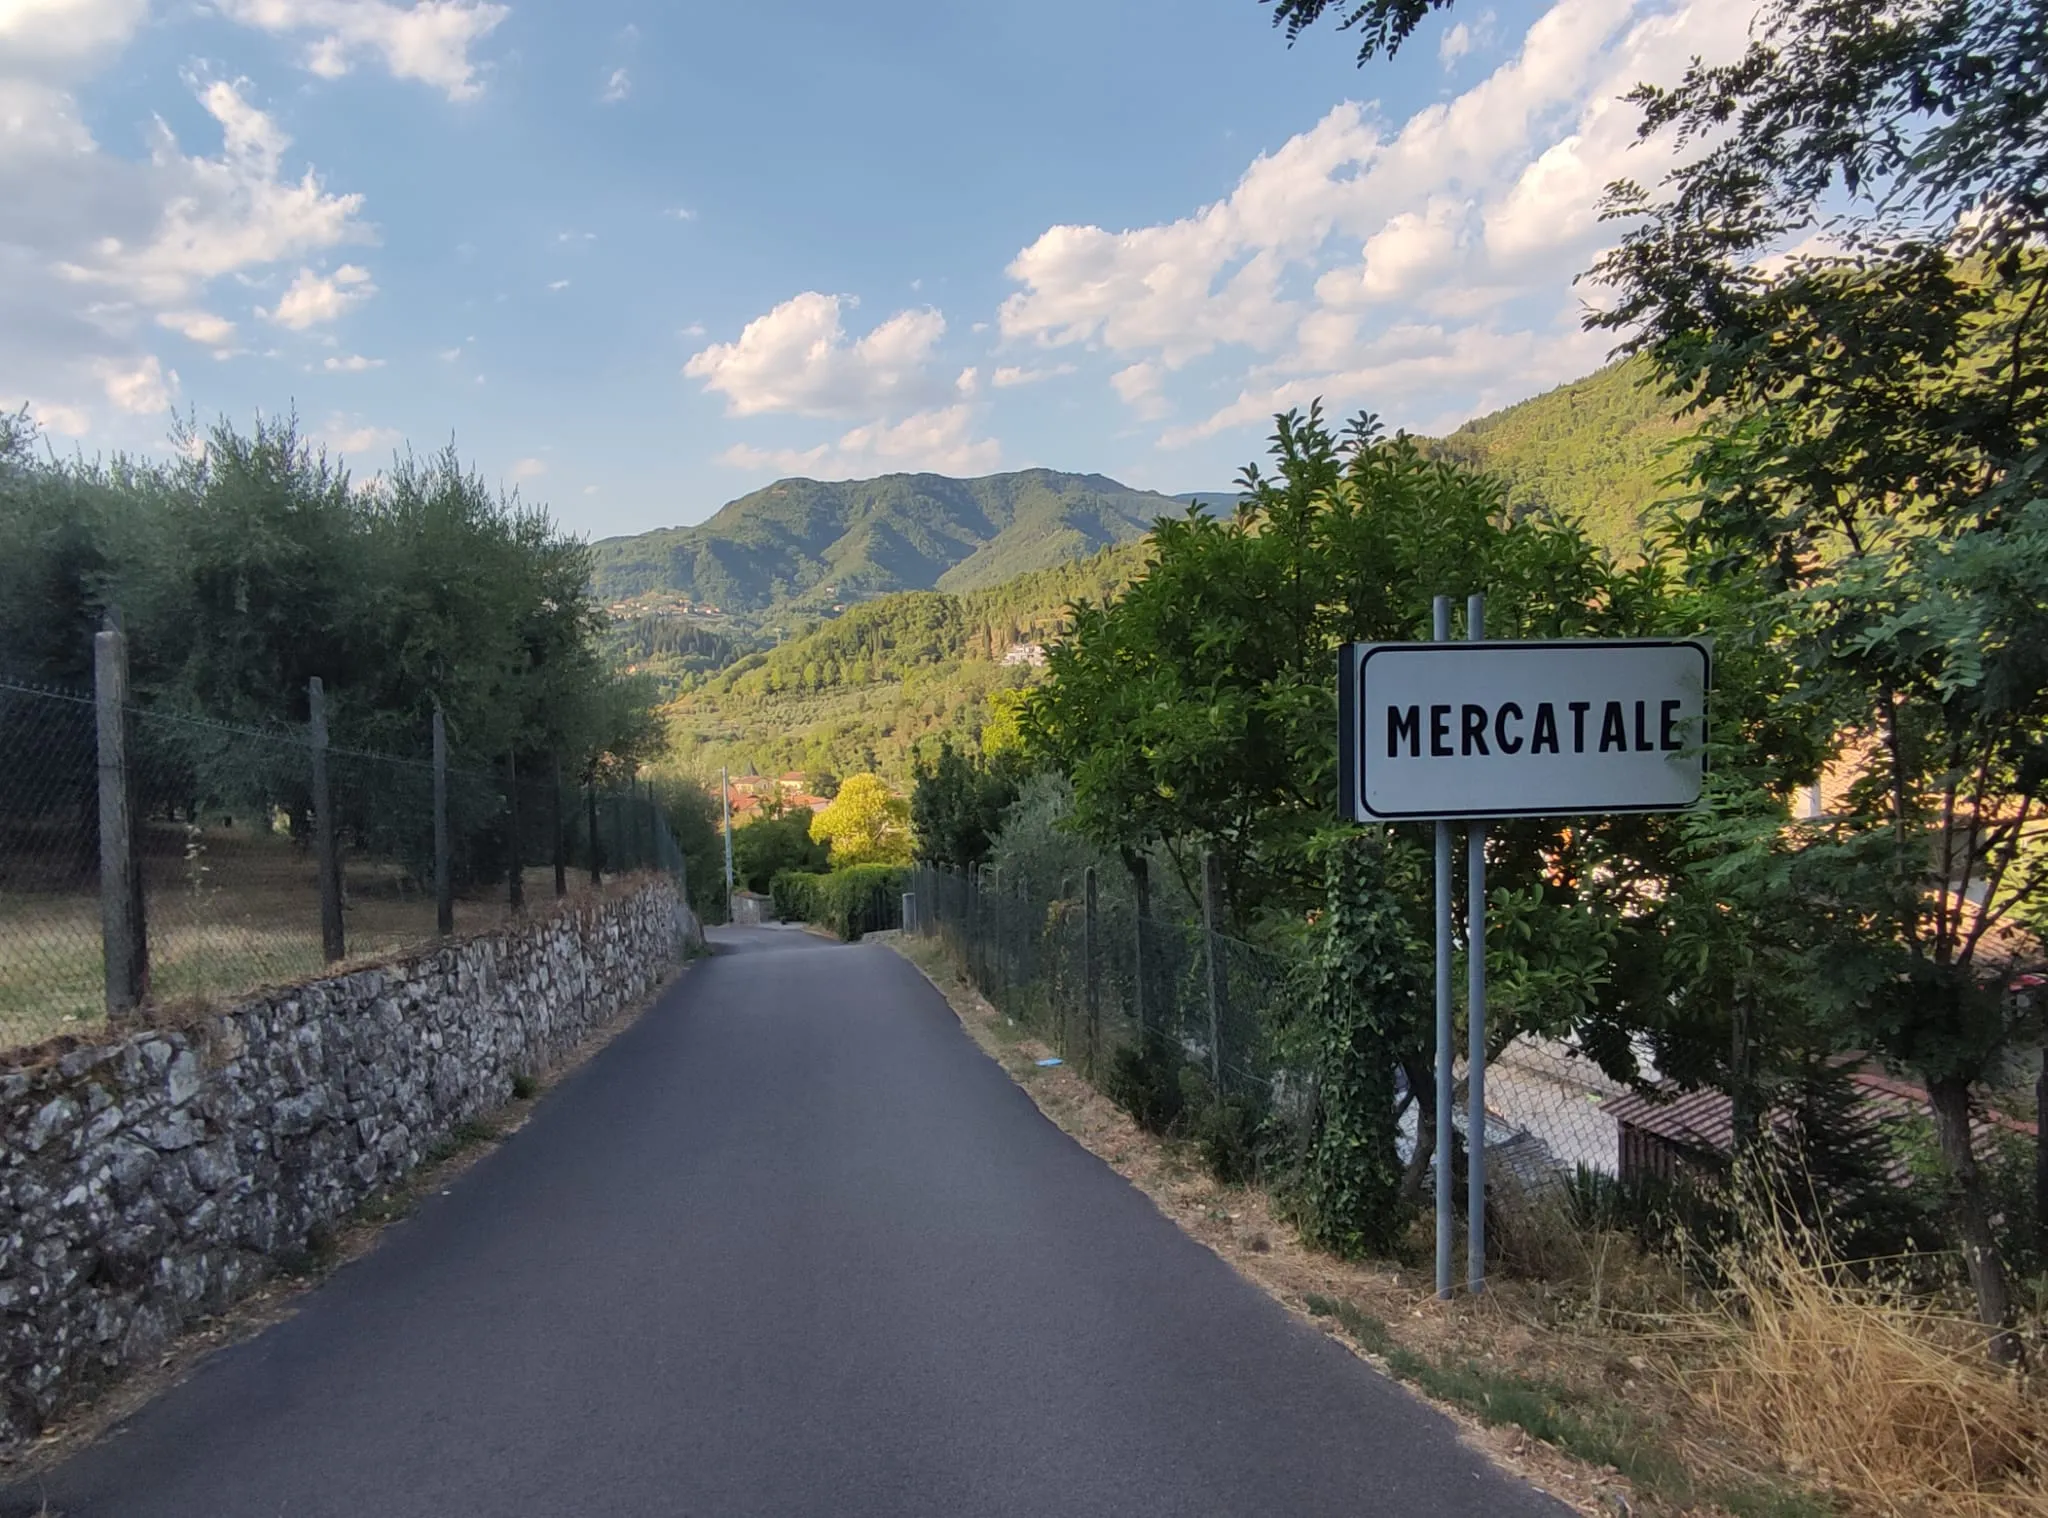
<point>1535,729</point>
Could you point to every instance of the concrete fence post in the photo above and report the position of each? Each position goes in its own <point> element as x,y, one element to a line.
<point>326,847</point>
<point>444,878</point>
<point>124,934</point>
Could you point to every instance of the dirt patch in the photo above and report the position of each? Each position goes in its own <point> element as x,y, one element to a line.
<point>1521,1340</point>
<point>284,1293</point>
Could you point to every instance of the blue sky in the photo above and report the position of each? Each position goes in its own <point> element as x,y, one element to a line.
<point>639,259</point>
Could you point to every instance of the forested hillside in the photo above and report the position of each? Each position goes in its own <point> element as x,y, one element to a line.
<point>811,545</point>
<point>1598,449</point>
<point>861,692</point>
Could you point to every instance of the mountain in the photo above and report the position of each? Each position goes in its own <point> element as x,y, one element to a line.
<point>811,544</point>
<point>1599,448</point>
<point>864,690</point>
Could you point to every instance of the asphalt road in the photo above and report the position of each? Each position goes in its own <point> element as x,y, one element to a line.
<point>789,1245</point>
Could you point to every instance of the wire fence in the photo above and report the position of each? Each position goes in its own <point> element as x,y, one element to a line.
<point>1107,987</point>
<point>185,859</point>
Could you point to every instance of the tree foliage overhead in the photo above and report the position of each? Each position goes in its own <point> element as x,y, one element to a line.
<point>1876,452</point>
<point>1843,283</point>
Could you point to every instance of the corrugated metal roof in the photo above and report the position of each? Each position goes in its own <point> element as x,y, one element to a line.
<point>1705,1119</point>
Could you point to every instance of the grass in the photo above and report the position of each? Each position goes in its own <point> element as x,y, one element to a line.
<point>1877,1391</point>
<point>229,910</point>
<point>1572,1422</point>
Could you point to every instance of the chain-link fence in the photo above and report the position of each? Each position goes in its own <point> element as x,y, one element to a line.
<point>1196,1027</point>
<point>185,859</point>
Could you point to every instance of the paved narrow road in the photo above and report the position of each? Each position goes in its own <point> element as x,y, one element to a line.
<point>790,1245</point>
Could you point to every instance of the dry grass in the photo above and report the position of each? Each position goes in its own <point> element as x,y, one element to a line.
<point>229,911</point>
<point>1878,1395</point>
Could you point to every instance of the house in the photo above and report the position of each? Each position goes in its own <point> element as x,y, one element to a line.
<point>1694,1131</point>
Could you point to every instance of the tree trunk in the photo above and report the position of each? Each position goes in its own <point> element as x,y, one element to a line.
<point>1422,1087</point>
<point>1949,1101</point>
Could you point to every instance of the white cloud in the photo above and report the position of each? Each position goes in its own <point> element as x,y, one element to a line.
<point>141,387</point>
<point>344,436</point>
<point>558,284</point>
<point>1382,262</point>
<point>194,219</point>
<point>694,330</point>
<point>1492,366</point>
<point>1011,375</point>
<point>46,35</point>
<point>428,40</point>
<point>797,358</point>
<point>680,213</point>
<point>969,381</point>
<point>202,327</point>
<point>937,441</point>
<point>576,239</point>
<point>590,490</point>
<point>1138,387</point>
<point>449,355</point>
<point>52,416</point>
<point>528,469</point>
<point>353,363</point>
<point>616,88</point>
<point>314,298</point>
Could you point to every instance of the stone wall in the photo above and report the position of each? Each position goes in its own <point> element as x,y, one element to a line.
<point>152,1179</point>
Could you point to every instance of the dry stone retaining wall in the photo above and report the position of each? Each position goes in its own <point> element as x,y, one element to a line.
<point>152,1179</point>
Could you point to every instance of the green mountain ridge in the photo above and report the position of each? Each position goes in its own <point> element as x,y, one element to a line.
<point>810,544</point>
<point>891,676</point>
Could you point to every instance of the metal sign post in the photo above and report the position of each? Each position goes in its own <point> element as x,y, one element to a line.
<point>1446,1086</point>
<point>1478,730</point>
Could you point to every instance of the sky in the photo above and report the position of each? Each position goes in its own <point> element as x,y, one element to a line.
<point>635,260</point>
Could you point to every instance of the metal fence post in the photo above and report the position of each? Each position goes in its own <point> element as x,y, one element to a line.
<point>1475,1018</point>
<point>1210,891</point>
<point>124,933</point>
<point>1138,976</point>
<point>596,856</point>
<point>332,942</point>
<point>444,880</point>
<point>1091,968</point>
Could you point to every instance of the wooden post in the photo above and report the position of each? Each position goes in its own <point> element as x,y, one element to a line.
<point>561,836</point>
<point>1211,890</point>
<point>124,934</point>
<point>515,871</point>
<point>332,942</point>
<point>444,878</point>
<point>1091,967</point>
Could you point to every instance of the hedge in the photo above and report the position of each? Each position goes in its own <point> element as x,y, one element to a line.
<point>863,898</point>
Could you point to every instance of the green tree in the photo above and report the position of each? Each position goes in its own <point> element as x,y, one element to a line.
<point>957,807</point>
<point>763,848</point>
<point>1875,448</point>
<point>865,823</point>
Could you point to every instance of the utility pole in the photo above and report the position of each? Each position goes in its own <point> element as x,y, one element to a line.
<point>725,799</point>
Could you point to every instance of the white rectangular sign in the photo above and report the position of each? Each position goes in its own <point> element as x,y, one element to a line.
<point>1437,730</point>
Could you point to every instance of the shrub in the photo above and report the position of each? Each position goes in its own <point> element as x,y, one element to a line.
<point>1144,1079</point>
<point>865,898</point>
